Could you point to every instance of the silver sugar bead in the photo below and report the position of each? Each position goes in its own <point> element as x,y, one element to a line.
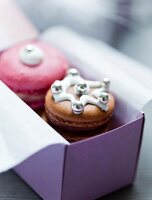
<point>29,48</point>
<point>56,88</point>
<point>77,107</point>
<point>82,88</point>
<point>73,72</point>
<point>103,98</point>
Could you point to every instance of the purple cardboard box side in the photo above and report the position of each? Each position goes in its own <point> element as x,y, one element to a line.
<point>44,171</point>
<point>103,164</point>
<point>92,168</point>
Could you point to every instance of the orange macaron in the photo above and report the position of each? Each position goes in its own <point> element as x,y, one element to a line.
<point>77,105</point>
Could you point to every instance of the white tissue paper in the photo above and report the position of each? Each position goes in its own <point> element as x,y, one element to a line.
<point>22,131</point>
<point>129,79</point>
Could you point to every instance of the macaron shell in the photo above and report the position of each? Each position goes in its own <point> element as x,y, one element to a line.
<point>31,98</point>
<point>61,114</point>
<point>19,76</point>
<point>73,136</point>
<point>32,82</point>
<point>35,105</point>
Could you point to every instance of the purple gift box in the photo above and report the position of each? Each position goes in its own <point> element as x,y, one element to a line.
<point>87,169</point>
<point>56,169</point>
<point>91,168</point>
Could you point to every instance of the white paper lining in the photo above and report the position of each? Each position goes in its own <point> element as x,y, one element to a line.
<point>133,68</point>
<point>22,131</point>
<point>85,54</point>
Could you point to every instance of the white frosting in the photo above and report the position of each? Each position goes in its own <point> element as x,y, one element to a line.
<point>81,86</point>
<point>31,55</point>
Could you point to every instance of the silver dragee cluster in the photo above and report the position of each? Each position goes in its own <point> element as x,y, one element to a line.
<point>99,95</point>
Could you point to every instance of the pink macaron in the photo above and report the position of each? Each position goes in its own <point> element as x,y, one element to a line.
<point>30,68</point>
